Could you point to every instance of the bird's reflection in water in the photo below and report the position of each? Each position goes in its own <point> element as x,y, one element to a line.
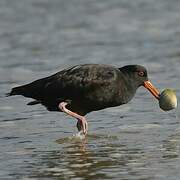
<point>171,146</point>
<point>97,156</point>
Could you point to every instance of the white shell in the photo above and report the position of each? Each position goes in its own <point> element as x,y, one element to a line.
<point>168,100</point>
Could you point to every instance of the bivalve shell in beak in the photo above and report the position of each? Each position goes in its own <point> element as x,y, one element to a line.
<point>168,100</point>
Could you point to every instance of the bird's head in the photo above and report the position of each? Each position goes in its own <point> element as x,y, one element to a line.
<point>139,77</point>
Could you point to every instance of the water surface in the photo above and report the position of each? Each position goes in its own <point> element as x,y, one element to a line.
<point>134,141</point>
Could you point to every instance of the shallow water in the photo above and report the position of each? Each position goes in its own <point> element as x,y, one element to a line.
<point>134,141</point>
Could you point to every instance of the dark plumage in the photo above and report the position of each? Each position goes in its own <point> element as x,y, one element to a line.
<point>86,88</point>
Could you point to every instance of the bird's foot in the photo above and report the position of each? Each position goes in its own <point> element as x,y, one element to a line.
<point>82,122</point>
<point>82,125</point>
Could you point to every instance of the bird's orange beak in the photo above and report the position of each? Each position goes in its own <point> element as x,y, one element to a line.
<point>148,85</point>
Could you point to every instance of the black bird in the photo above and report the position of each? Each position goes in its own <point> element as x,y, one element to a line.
<point>81,89</point>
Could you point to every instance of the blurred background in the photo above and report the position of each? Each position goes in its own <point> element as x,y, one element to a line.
<point>134,141</point>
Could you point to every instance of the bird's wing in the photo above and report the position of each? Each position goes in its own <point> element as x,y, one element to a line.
<point>79,79</point>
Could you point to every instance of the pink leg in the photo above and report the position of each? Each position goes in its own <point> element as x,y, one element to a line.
<point>84,123</point>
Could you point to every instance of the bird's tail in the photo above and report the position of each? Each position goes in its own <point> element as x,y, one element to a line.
<point>31,90</point>
<point>20,90</point>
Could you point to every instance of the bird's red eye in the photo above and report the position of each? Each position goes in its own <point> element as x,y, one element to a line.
<point>141,73</point>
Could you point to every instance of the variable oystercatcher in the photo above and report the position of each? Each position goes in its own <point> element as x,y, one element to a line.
<point>84,88</point>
